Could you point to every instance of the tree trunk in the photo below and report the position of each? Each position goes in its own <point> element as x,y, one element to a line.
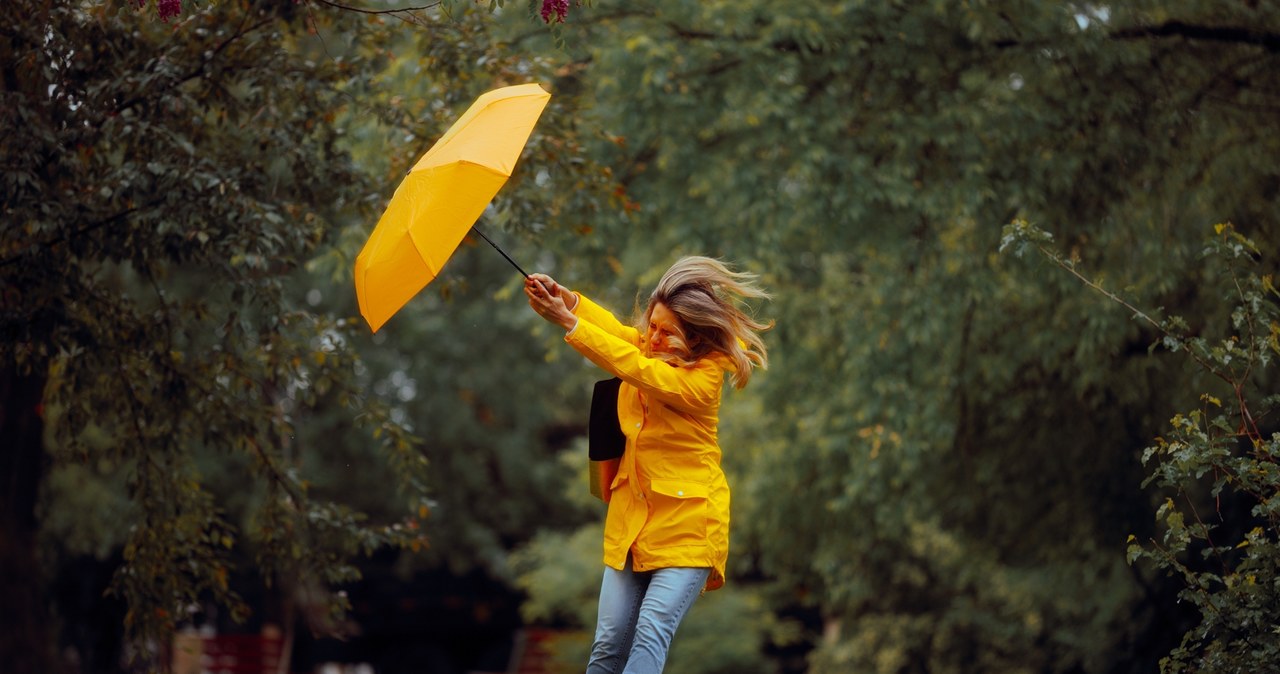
<point>25,644</point>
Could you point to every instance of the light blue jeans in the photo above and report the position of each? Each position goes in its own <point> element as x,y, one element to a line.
<point>639,614</point>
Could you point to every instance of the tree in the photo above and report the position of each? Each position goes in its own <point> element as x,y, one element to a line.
<point>188,321</point>
<point>163,183</point>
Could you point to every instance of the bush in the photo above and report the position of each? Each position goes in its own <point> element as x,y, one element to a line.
<point>1216,467</point>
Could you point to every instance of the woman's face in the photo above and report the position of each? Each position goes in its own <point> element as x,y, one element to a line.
<point>663,324</point>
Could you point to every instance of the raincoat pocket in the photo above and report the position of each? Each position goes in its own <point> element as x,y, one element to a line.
<point>680,489</point>
<point>681,513</point>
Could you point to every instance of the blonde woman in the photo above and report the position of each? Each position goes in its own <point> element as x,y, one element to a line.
<point>666,536</point>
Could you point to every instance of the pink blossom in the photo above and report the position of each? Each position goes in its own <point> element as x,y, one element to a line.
<point>560,8</point>
<point>169,8</point>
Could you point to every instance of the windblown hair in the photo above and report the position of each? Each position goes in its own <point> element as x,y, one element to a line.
<point>706,295</point>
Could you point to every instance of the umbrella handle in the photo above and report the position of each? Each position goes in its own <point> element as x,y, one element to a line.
<point>504,253</point>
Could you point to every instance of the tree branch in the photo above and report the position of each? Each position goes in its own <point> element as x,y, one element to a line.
<point>1137,313</point>
<point>1268,41</point>
<point>118,217</point>
<point>361,10</point>
<point>199,69</point>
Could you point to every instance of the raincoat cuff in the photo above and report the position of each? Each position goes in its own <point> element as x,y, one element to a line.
<point>570,331</point>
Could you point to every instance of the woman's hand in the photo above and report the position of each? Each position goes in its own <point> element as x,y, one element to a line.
<point>551,300</point>
<point>556,290</point>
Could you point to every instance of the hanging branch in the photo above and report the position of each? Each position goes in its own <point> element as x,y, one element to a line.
<point>361,10</point>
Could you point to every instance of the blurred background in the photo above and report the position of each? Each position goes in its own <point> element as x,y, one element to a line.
<point>1018,415</point>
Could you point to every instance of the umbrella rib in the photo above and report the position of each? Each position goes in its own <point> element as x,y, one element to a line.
<point>468,162</point>
<point>447,139</point>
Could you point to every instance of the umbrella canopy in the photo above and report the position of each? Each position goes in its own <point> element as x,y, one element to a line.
<point>442,197</point>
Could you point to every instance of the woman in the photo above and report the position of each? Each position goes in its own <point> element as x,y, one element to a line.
<point>666,535</point>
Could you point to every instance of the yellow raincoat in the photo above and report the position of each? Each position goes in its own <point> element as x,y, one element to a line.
<point>669,504</point>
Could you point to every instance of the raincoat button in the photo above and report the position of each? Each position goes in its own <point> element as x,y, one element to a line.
<point>638,425</point>
<point>680,493</point>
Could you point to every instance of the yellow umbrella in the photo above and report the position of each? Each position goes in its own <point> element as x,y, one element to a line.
<point>442,197</point>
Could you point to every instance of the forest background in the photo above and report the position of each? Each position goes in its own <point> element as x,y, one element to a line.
<point>1018,414</point>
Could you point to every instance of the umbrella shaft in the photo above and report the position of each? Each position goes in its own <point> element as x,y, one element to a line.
<point>504,253</point>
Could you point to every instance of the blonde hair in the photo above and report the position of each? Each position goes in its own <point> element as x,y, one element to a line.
<point>704,294</point>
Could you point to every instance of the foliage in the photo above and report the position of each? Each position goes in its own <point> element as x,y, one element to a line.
<point>944,459</point>
<point>165,186</point>
<point>208,380</point>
